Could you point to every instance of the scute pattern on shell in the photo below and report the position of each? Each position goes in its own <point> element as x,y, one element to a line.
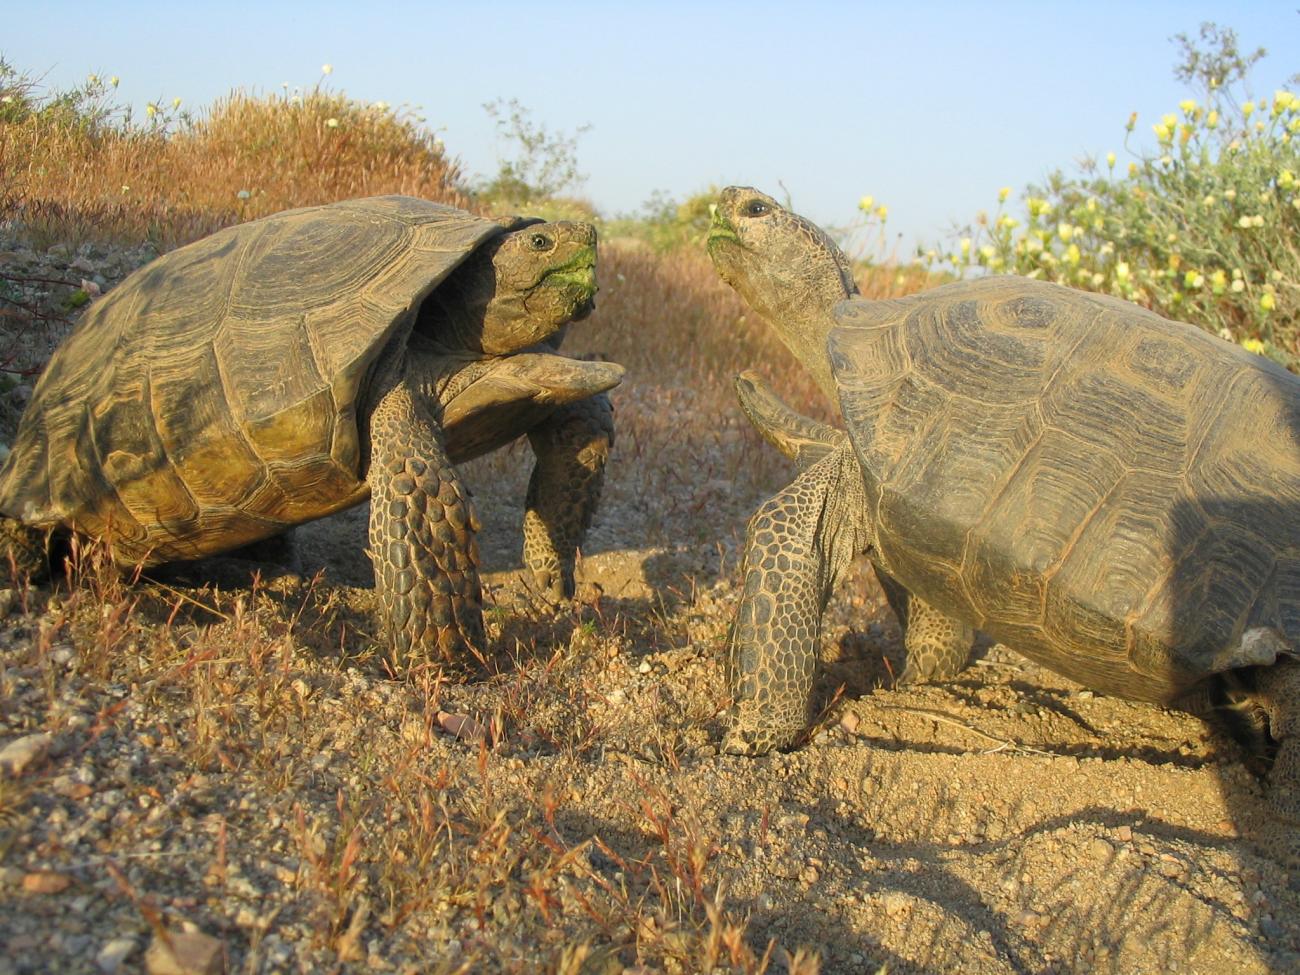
<point>1110,492</point>
<point>211,398</point>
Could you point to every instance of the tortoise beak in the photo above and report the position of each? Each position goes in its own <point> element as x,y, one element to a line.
<point>720,227</point>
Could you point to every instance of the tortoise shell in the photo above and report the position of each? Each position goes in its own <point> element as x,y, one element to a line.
<point>1109,492</point>
<point>211,398</point>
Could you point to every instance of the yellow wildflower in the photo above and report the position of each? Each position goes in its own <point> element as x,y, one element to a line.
<point>1238,286</point>
<point>1189,106</point>
<point>1110,160</point>
<point>332,123</point>
<point>1003,194</point>
<point>1122,271</point>
<point>1253,345</point>
<point>866,203</point>
<point>1064,231</point>
<point>1267,302</point>
<point>1212,120</point>
<point>1247,109</point>
<point>882,212</point>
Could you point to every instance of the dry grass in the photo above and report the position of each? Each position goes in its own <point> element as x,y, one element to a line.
<point>247,157</point>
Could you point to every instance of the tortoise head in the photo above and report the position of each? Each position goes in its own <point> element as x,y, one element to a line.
<point>776,259</point>
<point>785,267</point>
<point>518,289</point>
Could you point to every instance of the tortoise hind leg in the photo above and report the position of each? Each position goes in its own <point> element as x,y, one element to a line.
<point>938,647</point>
<point>572,446</point>
<point>1277,692</point>
<point>24,551</point>
<point>422,527</point>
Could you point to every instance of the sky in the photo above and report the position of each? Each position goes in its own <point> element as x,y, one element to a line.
<point>929,107</point>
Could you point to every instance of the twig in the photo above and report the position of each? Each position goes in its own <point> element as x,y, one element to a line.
<point>945,718</point>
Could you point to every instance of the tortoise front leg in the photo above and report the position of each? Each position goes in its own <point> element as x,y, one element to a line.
<point>422,542</point>
<point>799,544</point>
<point>572,446</point>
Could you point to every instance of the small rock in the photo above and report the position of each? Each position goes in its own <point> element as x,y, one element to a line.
<point>896,903</point>
<point>11,877</point>
<point>1028,918</point>
<point>644,668</point>
<point>1100,849</point>
<point>185,953</point>
<point>46,882</point>
<point>850,722</point>
<point>22,753</point>
<point>112,955</point>
<point>1124,834</point>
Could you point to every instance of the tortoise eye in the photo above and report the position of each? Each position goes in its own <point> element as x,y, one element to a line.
<point>540,242</point>
<point>756,208</point>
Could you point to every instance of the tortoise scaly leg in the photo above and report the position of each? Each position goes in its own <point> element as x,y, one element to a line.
<point>1277,691</point>
<point>24,551</point>
<point>938,647</point>
<point>572,446</point>
<point>422,527</point>
<point>799,544</point>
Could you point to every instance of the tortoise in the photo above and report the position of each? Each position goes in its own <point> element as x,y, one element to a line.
<point>284,369</point>
<point>1110,493</point>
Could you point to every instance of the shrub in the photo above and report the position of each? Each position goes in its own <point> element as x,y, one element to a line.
<point>1204,228</point>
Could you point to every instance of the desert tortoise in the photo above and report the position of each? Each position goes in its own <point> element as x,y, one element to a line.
<point>287,368</point>
<point>1112,494</point>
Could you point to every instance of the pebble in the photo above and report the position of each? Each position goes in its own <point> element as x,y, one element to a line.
<point>113,954</point>
<point>644,668</point>
<point>46,882</point>
<point>896,904</point>
<point>22,753</point>
<point>1100,849</point>
<point>185,953</point>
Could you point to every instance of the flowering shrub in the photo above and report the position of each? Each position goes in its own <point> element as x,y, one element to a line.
<point>1205,228</point>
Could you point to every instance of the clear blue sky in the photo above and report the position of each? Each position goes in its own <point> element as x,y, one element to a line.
<point>928,106</point>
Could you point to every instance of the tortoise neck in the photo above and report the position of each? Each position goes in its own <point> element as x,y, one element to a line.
<point>803,330</point>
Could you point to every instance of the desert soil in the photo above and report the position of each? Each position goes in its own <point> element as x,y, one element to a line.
<point>214,757</point>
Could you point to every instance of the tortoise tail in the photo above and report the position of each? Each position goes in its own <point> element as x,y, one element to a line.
<point>803,439</point>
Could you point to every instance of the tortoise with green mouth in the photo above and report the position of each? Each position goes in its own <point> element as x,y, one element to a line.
<point>1112,494</point>
<point>287,368</point>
